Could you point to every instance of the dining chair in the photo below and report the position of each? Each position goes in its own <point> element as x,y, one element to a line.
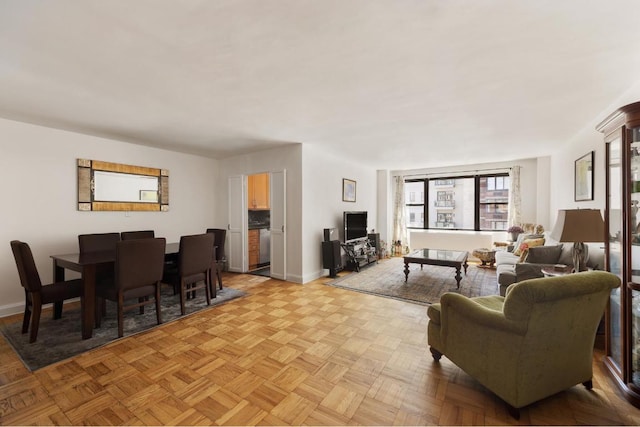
<point>138,275</point>
<point>142,234</point>
<point>98,242</point>
<point>194,267</point>
<point>220,260</point>
<point>37,294</point>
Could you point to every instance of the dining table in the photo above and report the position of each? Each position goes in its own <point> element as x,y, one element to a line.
<point>87,264</point>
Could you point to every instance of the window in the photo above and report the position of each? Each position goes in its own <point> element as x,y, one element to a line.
<point>477,202</point>
<point>414,201</point>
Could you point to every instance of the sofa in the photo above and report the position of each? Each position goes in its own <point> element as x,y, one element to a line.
<point>531,344</point>
<point>517,262</point>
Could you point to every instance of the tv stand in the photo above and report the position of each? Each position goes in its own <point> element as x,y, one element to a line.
<point>359,253</point>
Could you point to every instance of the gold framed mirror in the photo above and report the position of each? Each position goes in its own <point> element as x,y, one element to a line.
<point>106,186</point>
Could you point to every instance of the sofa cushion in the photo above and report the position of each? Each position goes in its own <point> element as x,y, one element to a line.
<point>544,254</point>
<point>504,257</point>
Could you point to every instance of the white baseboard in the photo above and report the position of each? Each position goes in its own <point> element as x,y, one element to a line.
<point>11,309</point>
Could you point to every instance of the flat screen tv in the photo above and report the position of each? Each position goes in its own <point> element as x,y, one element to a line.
<point>355,225</point>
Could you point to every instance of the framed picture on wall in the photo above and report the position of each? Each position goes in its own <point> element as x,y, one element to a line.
<point>584,178</point>
<point>348,190</point>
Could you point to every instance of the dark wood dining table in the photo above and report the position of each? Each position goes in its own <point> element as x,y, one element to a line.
<point>86,264</point>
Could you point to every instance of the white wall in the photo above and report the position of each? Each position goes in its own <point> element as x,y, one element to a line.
<point>322,201</point>
<point>38,172</point>
<point>562,161</point>
<point>287,158</point>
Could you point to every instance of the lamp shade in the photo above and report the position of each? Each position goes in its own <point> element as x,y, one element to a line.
<point>579,225</point>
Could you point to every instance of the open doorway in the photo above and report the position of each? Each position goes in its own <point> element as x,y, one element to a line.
<point>237,230</point>
<point>258,224</point>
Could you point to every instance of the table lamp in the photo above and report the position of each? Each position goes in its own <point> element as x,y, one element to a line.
<point>579,226</point>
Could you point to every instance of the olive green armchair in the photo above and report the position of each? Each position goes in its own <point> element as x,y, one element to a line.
<point>534,342</point>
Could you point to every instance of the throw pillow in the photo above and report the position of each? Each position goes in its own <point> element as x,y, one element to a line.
<point>544,254</point>
<point>527,243</point>
<point>523,249</point>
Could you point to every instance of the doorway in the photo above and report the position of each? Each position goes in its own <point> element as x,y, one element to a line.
<point>245,254</point>
<point>258,224</point>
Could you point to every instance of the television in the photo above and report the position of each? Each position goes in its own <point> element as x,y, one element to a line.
<point>355,225</point>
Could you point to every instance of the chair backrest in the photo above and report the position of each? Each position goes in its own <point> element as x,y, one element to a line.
<point>574,299</point>
<point>220,236</point>
<point>142,234</point>
<point>196,253</point>
<point>98,242</point>
<point>29,277</point>
<point>139,262</point>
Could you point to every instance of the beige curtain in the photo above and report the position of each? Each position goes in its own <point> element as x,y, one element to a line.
<point>514,215</point>
<point>399,223</point>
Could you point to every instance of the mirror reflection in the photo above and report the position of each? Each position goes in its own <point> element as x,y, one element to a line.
<point>119,187</point>
<point>105,186</point>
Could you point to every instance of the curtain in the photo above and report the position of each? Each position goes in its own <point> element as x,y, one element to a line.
<point>514,216</point>
<point>399,223</point>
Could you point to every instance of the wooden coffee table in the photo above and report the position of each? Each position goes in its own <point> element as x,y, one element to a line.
<point>442,257</point>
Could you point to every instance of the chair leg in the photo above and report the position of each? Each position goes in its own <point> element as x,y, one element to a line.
<point>219,274</point>
<point>140,301</point>
<point>514,412</point>
<point>158,314</point>
<point>207,289</point>
<point>436,354</point>
<point>120,315</point>
<point>26,317</point>
<point>35,317</point>
<point>57,310</point>
<point>182,296</point>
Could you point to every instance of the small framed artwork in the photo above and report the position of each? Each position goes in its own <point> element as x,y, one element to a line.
<point>348,190</point>
<point>584,178</point>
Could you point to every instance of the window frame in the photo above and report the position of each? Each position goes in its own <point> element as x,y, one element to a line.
<point>477,203</point>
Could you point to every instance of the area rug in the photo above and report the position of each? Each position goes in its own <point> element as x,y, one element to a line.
<point>61,339</point>
<point>424,286</point>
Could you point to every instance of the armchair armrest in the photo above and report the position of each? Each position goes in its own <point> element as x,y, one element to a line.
<point>458,307</point>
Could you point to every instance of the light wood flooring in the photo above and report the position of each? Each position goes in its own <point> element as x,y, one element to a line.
<point>287,354</point>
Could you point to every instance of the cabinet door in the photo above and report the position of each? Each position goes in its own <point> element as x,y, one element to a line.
<point>237,224</point>
<point>254,248</point>
<point>251,192</point>
<point>634,228</point>
<point>614,207</point>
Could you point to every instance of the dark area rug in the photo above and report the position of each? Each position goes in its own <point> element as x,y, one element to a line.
<point>425,286</point>
<point>61,339</point>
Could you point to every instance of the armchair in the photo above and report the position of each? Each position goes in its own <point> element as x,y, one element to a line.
<point>533,343</point>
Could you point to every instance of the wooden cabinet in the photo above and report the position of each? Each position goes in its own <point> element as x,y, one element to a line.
<point>622,247</point>
<point>258,191</point>
<point>254,249</point>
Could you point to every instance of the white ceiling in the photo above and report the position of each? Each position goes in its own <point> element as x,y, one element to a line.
<point>396,84</point>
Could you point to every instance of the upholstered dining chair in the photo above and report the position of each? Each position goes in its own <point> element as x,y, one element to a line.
<point>37,294</point>
<point>194,267</point>
<point>142,234</point>
<point>219,259</point>
<point>138,275</point>
<point>98,242</point>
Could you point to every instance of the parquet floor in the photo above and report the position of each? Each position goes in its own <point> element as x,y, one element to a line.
<point>287,354</point>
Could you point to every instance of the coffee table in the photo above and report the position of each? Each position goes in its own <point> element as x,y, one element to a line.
<point>441,257</point>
